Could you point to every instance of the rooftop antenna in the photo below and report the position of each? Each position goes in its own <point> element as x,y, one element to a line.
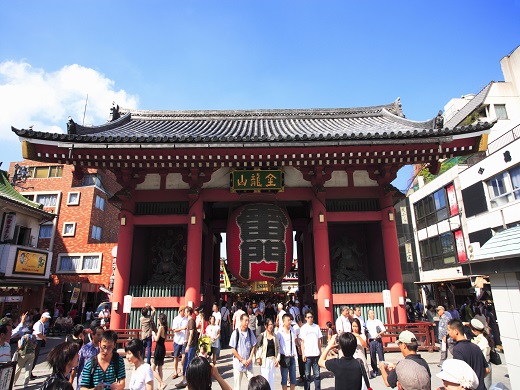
<point>85,111</point>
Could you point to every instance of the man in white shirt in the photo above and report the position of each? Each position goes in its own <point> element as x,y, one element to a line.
<point>357,314</point>
<point>375,330</point>
<point>279,316</point>
<point>310,336</point>
<point>39,334</point>
<point>217,315</point>
<point>179,325</point>
<point>294,311</point>
<point>5,347</point>
<point>342,322</point>
<point>288,352</point>
<point>237,315</point>
<point>242,344</point>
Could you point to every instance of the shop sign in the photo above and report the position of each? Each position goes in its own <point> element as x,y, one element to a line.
<point>256,180</point>
<point>452,200</point>
<point>75,295</point>
<point>259,242</point>
<point>15,298</point>
<point>461,248</point>
<point>9,226</point>
<point>30,262</point>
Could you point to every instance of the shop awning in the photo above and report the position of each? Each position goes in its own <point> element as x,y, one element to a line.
<point>442,280</point>
<point>503,245</point>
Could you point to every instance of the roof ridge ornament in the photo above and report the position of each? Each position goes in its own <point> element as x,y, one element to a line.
<point>114,112</point>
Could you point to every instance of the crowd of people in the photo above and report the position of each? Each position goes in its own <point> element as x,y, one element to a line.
<point>275,337</point>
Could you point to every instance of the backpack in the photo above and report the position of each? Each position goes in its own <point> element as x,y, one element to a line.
<point>94,364</point>
<point>28,345</point>
<point>238,337</point>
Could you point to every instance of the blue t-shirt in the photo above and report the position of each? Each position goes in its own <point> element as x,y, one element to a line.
<point>108,376</point>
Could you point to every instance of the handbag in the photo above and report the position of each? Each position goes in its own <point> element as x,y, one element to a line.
<point>285,361</point>
<point>494,358</point>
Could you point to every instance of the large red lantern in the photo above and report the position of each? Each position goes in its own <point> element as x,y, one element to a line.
<point>259,242</point>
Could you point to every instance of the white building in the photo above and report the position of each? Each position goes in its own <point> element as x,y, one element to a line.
<point>466,220</point>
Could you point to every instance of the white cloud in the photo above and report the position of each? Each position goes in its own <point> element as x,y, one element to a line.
<point>30,96</point>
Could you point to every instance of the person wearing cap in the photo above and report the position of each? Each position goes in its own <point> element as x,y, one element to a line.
<point>467,351</point>
<point>484,341</point>
<point>411,376</point>
<point>39,334</point>
<point>457,374</point>
<point>443,333</point>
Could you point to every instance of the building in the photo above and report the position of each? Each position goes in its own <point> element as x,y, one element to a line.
<point>83,235</point>
<point>259,176</point>
<point>24,265</point>
<point>466,220</point>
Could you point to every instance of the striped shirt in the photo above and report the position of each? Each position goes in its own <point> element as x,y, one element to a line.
<point>108,376</point>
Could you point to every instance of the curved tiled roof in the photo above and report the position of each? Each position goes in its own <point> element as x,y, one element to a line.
<point>364,123</point>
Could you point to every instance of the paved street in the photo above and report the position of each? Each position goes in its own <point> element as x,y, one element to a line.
<point>224,364</point>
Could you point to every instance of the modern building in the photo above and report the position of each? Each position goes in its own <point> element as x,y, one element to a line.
<point>466,220</point>
<point>83,235</point>
<point>24,265</point>
<point>259,176</point>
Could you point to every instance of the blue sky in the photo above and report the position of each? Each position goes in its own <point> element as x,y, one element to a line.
<point>176,55</point>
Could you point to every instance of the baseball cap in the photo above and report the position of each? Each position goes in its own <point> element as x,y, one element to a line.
<point>477,324</point>
<point>440,308</point>
<point>46,315</point>
<point>406,337</point>
<point>458,371</point>
<point>6,321</point>
<point>412,376</point>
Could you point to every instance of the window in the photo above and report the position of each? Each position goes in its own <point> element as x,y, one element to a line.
<point>79,263</point>
<point>29,197</point>
<point>431,209</point>
<point>96,232</point>
<point>73,198</point>
<point>438,252</point>
<point>69,229</point>
<point>100,202</point>
<point>504,187</point>
<point>500,111</point>
<point>46,172</point>
<point>91,179</point>
<point>45,231</point>
<point>48,200</point>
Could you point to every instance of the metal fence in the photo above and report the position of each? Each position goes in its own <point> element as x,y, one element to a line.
<point>366,286</point>
<point>174,290</point>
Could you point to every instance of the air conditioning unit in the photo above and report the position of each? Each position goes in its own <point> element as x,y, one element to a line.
<point>473,249</point>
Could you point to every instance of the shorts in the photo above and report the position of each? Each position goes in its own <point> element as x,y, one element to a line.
<point>177,349</point>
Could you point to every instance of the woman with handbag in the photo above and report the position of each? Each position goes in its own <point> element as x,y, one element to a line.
<point>268,352</point>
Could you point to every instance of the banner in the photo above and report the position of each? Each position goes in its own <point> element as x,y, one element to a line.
<point>461,248</point>
<point>30,262</point>
<point>9,226</point>
<point>452,200</point>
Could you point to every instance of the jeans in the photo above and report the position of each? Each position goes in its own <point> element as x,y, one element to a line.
<point>312,361</point>
<point>147,349</point>
<point>190,354</point>
<point>291,371</point>
<point>376,346</point>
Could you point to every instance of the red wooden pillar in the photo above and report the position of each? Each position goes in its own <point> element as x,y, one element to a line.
<point>194,254</point>
<point>392,261</point>
<point>122,271</point>
<point>322,260</point>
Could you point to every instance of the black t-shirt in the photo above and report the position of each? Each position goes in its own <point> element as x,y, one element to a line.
<point>270,351</point>
<point>392,375</point>
<point>347,373</point>
<point>192,325</point>
<point>471,354</point>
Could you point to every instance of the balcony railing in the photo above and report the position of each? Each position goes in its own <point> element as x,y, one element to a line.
<point>504,140</point>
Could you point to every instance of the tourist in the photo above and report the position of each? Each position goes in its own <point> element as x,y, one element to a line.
<point>430,313</point>
<point>25,357</point>
<point>458,375</point>
<point>268,352</point>
<point>107,367</point>
<point>160,350</point>
<point>342,322</point>
<point>225,325</point>
<point>179,325</point>
<point>288,352</point>
<point>199,374</point>
<point>192,340</point>
<point>310,336</point>
<point>104,315</point>
<point>375,330</point>
<point>76,337</point>
<point>454,313</point>
<point>484,341</point>
<point>216,314</point>
<point>349,374</point>
<point>142,375</point>
<point>61,359</point>
<point>294,311</point>
<point>200,320</point>
<point>237,314</point>
<point>87,351</point>
<point>39,334</point>
<point>301,365</point>
<point>361,343</point>
<point>492,323</point>
<point>213,332</point>
<point>5,347</point>
<point>443,333</point>
<point>242,344</point>
<point>479,316</point>
<point>467,351</point>
<point>417,374</point>
<point>279,315</point>
<point>258,382</point>
<point>253,324</point>
<point>359,316</point>
<point>147,327</point>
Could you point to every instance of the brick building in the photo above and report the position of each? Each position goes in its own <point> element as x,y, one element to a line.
<point>83,237</point>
